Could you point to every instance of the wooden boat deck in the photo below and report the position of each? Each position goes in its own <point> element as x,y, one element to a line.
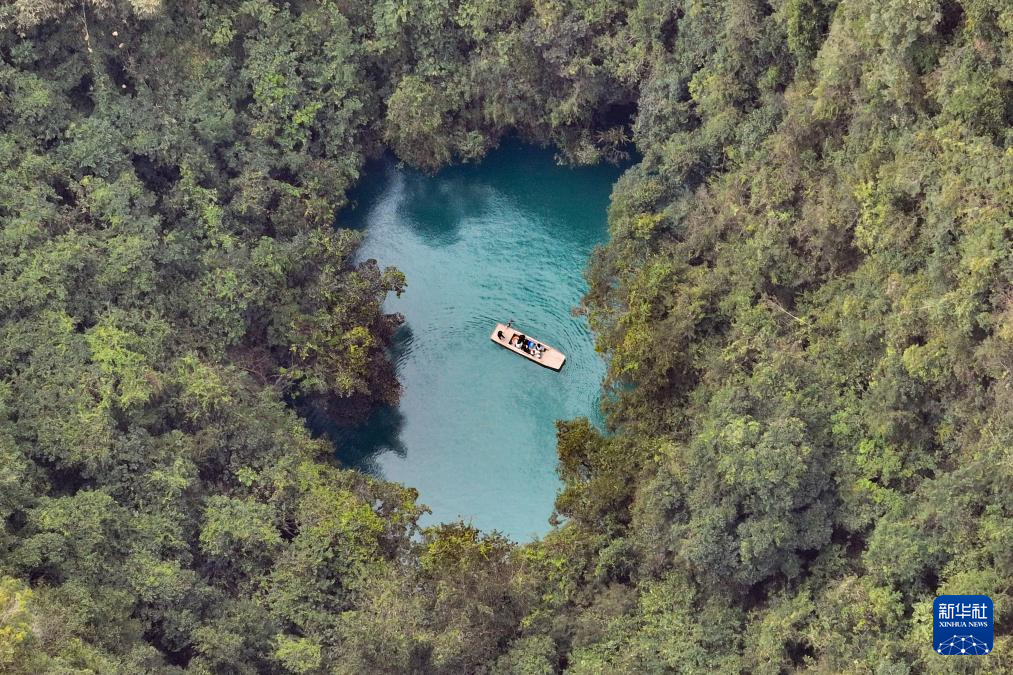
<point>552,359</point>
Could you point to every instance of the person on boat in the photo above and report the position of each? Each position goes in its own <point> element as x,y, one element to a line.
<point>499,334</point>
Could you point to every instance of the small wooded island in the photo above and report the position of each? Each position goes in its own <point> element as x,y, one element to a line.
<point>804,307</point>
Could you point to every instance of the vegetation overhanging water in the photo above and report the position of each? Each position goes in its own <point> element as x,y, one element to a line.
<point>805,298</point>
<point>506,238</point>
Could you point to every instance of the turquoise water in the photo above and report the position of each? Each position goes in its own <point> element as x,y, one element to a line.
<point>507,238</point>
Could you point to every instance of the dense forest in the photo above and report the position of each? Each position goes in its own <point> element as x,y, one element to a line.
<point>806,305</point>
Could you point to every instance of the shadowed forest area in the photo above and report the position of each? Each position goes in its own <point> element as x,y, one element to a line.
<point>806,304</point>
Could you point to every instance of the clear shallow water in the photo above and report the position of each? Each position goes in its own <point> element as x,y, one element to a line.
<point>507,238</point>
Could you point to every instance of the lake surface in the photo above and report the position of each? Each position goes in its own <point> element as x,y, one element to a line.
<point>481,244</point>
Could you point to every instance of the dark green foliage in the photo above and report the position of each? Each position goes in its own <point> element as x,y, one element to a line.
<point>805,302</point>
<point>809,340</point>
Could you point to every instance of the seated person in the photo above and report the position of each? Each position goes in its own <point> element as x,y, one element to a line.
<point>499,335</point>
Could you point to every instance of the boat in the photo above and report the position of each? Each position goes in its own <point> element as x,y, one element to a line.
<point>550,358</point>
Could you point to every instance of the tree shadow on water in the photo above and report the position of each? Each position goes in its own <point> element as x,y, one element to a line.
<point>401,344</point>
<point>359,446</point>
<point>435,207</point>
